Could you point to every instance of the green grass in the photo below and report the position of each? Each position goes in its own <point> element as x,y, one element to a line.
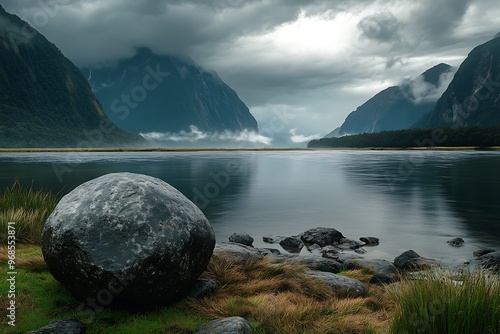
<point>41,300</point>
<point>28,209</point>
<point>438,304</point>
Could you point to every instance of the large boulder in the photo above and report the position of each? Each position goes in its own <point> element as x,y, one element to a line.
<point>322,236</point>
<point>127,238</point>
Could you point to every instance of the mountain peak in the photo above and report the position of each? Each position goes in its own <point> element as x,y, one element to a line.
<point>433,75</point>
<point>168,93</point>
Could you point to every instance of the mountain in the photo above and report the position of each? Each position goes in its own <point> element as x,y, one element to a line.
<point>473,96</point>
<point>160,93</point>
<point>44,99</point>
<point>398,107</point>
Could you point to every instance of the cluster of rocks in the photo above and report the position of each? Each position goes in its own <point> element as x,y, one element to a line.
<point>327,240</point>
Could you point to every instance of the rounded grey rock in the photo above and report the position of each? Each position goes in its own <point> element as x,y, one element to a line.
<point>241,238</point>
<point>381,279</point>
<point>70,326</point>
<point>410,260</point>
<point>127,238</point>
<point>232,325</point>
<point>292,245</point>
<point>376,266</point>
<point>238,253</point>
<point>322,236</point>
<point>456,242</point>
<point>370,241</point>
<point>341,284</point>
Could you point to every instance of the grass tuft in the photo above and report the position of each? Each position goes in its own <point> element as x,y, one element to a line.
<point>28,209</point>
<point>437,303</point>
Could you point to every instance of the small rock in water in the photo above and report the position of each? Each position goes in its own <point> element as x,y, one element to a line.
<point>410,260</point>
<point>241,238</point>
<point>322,236</point>
<point>271,239</point>
<point>360,251</point>
<point>292,245</point>
<point>456,242</point>
<point>370,241</point>
<point>348,244</point>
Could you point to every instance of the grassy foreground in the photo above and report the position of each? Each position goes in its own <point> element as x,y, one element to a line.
<point>275,298</point>
<point>28,209</point>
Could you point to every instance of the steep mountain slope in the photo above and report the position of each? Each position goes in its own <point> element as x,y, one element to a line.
<point>44,99</point>
<point>473,97</point>
<point>335,133</point>
<point>398,107</point>
<point>150,92</point>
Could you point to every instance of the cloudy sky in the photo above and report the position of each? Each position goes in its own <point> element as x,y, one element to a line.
<point>301,66</point>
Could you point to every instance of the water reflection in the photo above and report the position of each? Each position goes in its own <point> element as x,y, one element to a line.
<point>209,180</point>
<point>411,200</point>
<point>464,183</point>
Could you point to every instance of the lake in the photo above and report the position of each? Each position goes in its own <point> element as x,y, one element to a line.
<point>409,199</point>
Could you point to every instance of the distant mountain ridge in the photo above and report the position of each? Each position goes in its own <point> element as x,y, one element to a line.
<point>473,96</point>
<point>397,107</point>
<point>161,93</point>
<point>44,99</point>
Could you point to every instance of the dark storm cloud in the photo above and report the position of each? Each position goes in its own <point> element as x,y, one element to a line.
<point>437,19</point>
<point>383,27</point>
<point>318,57</point>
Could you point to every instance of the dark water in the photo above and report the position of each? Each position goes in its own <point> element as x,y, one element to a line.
<point>410,200</point>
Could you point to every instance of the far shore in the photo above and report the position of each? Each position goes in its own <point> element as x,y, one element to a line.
<point>167,149</point>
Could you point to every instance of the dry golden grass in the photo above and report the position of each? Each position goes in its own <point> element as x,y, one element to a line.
<point>280,298</point>
<point>27,257</point>
<point>28,208</point>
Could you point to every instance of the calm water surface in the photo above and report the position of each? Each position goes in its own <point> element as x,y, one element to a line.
<point>410,200</point>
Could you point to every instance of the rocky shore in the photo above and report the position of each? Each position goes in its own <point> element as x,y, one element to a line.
<point>106,242</point>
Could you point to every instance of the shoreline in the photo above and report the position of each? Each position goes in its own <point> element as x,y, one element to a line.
<point>191,150</point>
